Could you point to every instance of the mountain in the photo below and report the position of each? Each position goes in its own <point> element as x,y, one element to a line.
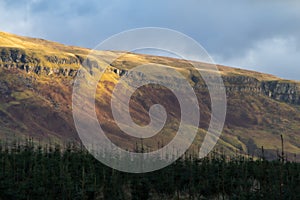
<point>37,77</point>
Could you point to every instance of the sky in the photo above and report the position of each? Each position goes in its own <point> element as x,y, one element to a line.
<point>252,34</point>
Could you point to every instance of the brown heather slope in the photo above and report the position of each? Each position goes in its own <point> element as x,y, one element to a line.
<point>36,78</point>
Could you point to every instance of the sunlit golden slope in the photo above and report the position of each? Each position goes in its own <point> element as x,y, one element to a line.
<point>36,79</point>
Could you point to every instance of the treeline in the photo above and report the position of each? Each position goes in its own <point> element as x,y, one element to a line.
<point>29,171</point>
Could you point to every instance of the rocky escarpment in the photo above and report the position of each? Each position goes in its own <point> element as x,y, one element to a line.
<point>11,58</point>
<point>14,58</point>
<point>281,90</point>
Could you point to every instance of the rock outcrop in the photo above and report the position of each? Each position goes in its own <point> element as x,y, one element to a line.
<point>13,58</point>
<point>281,90</point>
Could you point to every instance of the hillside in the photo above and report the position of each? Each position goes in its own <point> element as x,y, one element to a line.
<point>36,79</point>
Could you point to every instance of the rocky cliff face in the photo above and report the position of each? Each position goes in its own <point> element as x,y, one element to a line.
<point>12,58</point>
<point>17,58</point>
<point>286,91</point>
<point>282,91</point>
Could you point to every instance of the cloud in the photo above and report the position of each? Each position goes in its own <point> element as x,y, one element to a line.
<point>274,56</point>
<point>12,20</point>
<point>231,32</point>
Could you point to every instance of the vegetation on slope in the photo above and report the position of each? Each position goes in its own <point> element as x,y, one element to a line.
<point>37,102</point>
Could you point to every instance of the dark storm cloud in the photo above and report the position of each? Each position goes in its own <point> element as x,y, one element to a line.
<point>258,35</point>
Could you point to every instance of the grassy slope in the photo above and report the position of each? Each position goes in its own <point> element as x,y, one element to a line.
<point>43,110</point>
